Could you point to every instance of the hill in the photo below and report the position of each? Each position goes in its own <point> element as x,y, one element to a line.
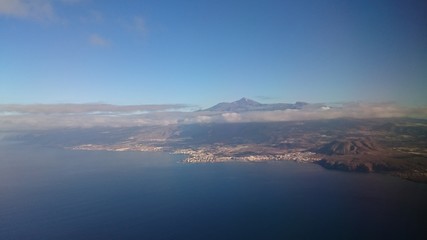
<point>348,147</point>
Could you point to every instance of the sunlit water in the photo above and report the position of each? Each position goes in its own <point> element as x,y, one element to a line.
<point>48,193</point>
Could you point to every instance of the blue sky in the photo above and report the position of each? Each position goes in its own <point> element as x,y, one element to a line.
<point>204,52</point>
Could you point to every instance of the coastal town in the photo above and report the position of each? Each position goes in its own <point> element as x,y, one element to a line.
<point>393,147</point>
<point>223,154</point>
<point>240,153</point>
<point>117,148</point>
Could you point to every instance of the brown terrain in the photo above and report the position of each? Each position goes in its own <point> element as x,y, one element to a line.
<point>391,146</point>
<point>364,155</point>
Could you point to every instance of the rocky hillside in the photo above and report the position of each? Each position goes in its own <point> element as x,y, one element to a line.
<point>348,147</point>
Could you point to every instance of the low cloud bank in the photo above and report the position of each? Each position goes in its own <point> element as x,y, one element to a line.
<point>16,117</point>
<point>69,108</point>
<point>350,110</point>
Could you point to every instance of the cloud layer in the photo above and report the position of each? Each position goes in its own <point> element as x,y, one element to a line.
<point>15,117</point>
<point>69,108</point>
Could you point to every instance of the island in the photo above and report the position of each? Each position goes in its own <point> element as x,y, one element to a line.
<point>388,146</point>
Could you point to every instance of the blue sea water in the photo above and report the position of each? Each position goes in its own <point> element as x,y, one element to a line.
<point>49,193</point>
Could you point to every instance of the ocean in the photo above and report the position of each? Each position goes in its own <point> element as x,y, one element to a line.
<point>51,193</point>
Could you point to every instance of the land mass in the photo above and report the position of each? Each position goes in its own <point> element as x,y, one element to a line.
<point>389,146</point>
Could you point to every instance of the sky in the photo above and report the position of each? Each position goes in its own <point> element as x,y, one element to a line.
<point>200,52</point>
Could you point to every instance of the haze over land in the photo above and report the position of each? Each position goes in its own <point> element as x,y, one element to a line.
<point>351,137</point>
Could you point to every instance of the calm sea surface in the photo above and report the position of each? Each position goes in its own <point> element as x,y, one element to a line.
<point>48,193</point>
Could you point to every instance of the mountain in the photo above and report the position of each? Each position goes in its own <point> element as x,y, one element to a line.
<point>247,105</point>
<point>348,147</point>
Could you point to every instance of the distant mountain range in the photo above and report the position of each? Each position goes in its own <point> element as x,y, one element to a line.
<point>247,105</point>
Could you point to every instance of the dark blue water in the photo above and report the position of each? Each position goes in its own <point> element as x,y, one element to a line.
<point>59,194</point>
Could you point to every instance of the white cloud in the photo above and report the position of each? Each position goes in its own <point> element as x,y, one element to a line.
<point>347,110</point>
<point>48,116</point>
<point>139,24</point>
<point>97,40</point>
<point>69,108</point>
<point>199,119</point>
<point>96,115</point>
<point>136,24</point>
<point>232,117</point>
<point>32,9</point>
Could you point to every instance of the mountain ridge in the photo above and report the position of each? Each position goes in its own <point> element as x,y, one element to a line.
<point>247,105</point>
<point>349,147</point>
